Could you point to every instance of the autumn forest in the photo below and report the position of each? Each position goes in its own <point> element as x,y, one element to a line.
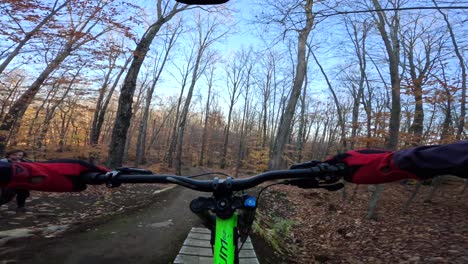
<point>248,88</point>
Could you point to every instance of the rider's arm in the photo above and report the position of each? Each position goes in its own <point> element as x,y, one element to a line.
<point>431,161</point>
<point>370,166</point>
<point>51,176</point>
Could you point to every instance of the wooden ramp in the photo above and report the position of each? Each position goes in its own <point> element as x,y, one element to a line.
<point>197,249</point>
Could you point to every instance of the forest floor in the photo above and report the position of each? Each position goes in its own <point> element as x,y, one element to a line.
<point>51,214</point>
<point>310,226</point>
<point>322,227</point>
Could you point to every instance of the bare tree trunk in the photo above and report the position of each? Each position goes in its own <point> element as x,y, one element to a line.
<point>339,112</point>
<point>156,132</point>
<point>124,110</point>
<point>66,119</point>
<point>133,125</point>
<point>205,39</point>
<point>17,110</point>
<point>183,116</point>
<point>143,126</point>
<point>101,108</point>
<point>461,60</point>
<point>284,128</point>
<point>50,113</point>
<point>73,42</point>
<point>10,96</point>
<point>140,149</point>
<point>392,46</point>
<point>413,195</point>
<point>51,93</point>
<point>378,189</point>
<point>435,185</point>
<point>302,123</point>
<point>419,70</point>
<point>226,138</point>
<point>174,135</point>
<point>240,150</point>
<point>207,116</point>
<point>359,43</point>
<point>447,131</point>
<point>236,74</point>
<point>267,84</point>
<point>33,129</point>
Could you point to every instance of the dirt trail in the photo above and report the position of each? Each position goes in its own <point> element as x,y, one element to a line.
<point>151,229</point>
<point>151,235</point>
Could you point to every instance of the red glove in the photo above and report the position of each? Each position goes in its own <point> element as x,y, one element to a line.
<point>51,176</point>
<point>371,166</point>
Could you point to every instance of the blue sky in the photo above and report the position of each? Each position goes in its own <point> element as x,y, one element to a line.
<point>241,35</point>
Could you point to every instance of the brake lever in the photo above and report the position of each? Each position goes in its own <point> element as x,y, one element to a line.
<point>305,165</point>
<point>303,183</point>
<point>313,184</point>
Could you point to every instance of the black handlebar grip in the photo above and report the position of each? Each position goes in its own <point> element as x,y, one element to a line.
<point>93,178</point>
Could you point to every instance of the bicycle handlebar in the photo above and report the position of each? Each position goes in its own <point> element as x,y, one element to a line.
<point>322,173</point>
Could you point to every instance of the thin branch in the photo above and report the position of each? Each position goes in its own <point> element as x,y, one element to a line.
<point>391,9</point>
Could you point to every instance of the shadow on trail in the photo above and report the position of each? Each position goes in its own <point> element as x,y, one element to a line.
<point>153,234</point>
<point>150,234</point>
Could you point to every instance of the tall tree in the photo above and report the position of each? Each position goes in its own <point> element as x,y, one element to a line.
<point>184,80</point>
<point>13,8</point>
<point>85,30</point>
<point>389,27</point>
<point>284,128</point>
<point>463,68</point>
<point>339,110</point>
<point>301,134</point>
<point>53,106</point>
<point>236,72</point>
<point>358,32</point>
<point>208,32</point>
<point>165,12</point>
<point>10,90</point>
<point>419,64</point>
<point>158,69</point>
<point>210,80</point>
<point>245,117</point>
<point>266,81</point>
<point>447,131</point>
<point>106,93</point>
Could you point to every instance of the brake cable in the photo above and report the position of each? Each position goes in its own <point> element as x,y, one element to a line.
<point>252,216</point>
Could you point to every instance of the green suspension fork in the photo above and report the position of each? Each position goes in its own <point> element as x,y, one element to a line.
<point>225,240</point>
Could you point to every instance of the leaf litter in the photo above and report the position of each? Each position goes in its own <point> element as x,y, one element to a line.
<point>329,229</point>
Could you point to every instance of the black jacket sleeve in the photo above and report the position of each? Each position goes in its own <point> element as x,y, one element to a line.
<point>431,161</point>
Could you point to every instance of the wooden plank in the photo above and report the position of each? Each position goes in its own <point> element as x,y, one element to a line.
<point>247,245</point>
<point>200,230</point>
<point>200,236</point>
<point>196,243</point>
<point>248,261</point>
<point>187,259</point>
<point>208,252</point>
<point>247,253</point>
<point>202,243</point>
<point>197,249</point>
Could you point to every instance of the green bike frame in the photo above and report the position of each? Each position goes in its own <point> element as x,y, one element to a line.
<point>225,244</point>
